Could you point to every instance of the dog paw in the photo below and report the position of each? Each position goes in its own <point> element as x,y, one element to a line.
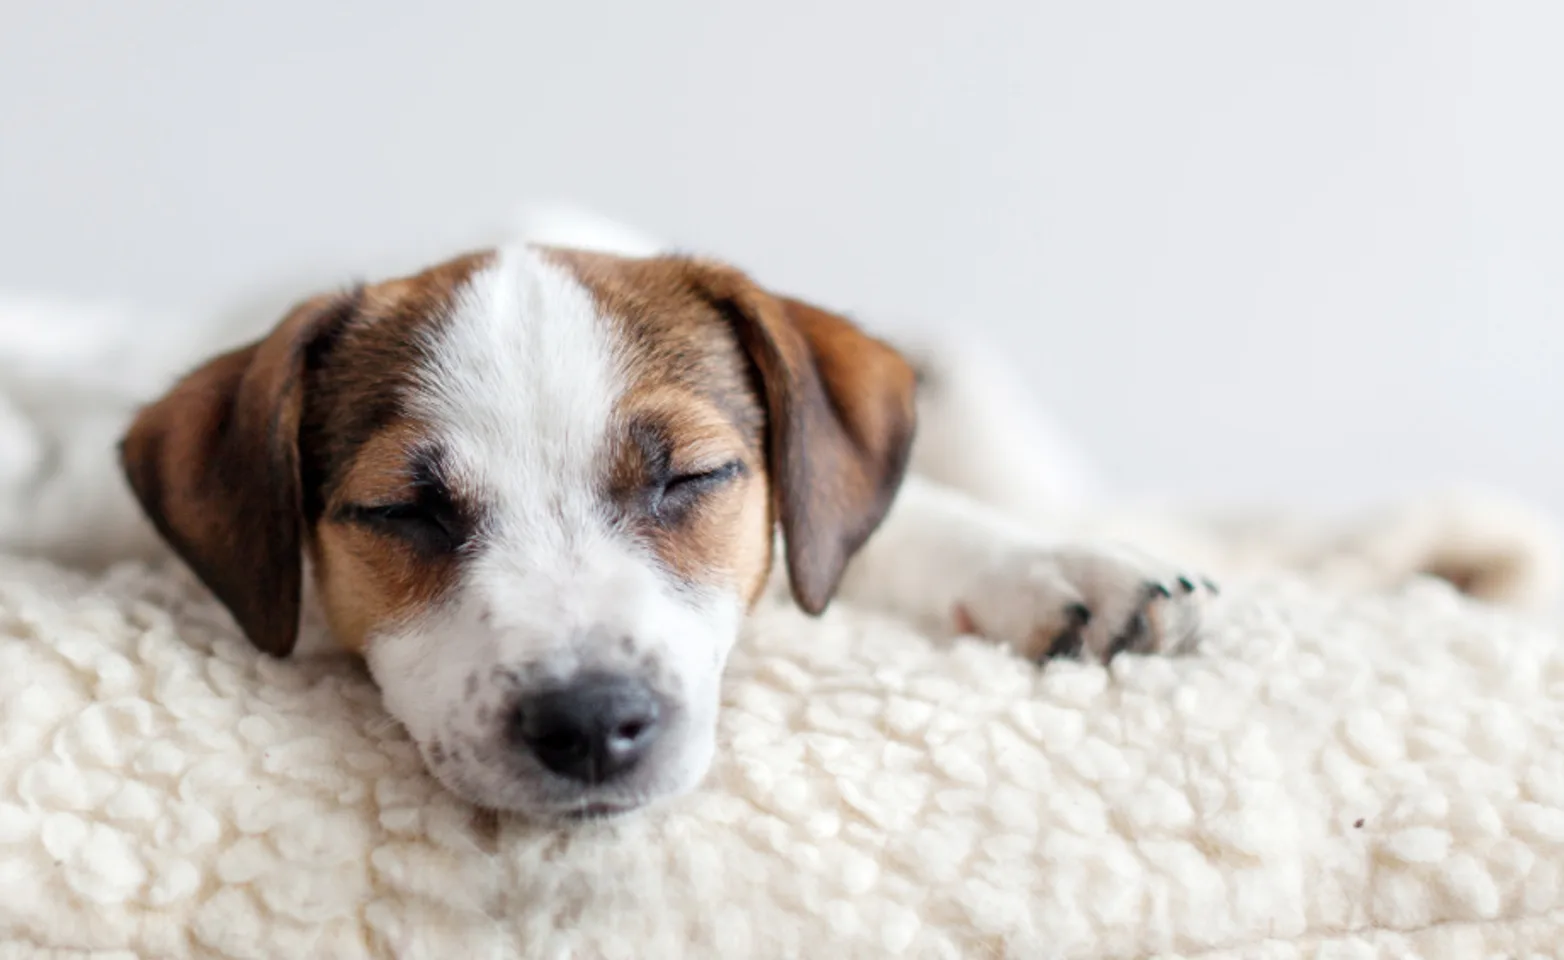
<point>1084,602</point>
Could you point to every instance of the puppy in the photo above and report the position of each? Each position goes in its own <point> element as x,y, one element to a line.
<point>538,489</point>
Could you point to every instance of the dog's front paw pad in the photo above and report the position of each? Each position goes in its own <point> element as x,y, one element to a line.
<point>1084,603</point>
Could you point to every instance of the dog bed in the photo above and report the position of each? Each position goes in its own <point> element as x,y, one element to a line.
<point>1338,773</point>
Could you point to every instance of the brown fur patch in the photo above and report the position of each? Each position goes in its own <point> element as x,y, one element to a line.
<point>846,417</point>
<point>215,466</point>
<point>356,382</point>
<point>366,577</point>
<point>360,446</point>
<point>693,398</point>
<point>834,406</point>
<point>239,462</point>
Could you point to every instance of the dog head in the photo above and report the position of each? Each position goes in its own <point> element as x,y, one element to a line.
<point>537,490</point>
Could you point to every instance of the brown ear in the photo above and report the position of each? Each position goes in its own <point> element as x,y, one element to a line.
<point>215,465</point>
<point>841,417</point>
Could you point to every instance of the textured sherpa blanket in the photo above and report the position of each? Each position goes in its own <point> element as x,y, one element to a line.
<point>1337,773</point>
<point>1357,762</point>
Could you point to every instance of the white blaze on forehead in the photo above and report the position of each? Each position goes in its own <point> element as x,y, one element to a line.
<point>518,390</point>
<point>519,384</point>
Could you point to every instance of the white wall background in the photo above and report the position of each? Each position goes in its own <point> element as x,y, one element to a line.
<point>1254,252</point>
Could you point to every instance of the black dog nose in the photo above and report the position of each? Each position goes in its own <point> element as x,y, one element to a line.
<point>592,730</point>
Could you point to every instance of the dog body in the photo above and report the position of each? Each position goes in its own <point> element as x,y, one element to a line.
<point>538,489</point>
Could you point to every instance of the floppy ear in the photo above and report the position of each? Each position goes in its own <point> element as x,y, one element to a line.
<point>841,417</point>
<point>215,465</point>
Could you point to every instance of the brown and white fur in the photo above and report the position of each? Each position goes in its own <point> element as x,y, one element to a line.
<point>537,489</point>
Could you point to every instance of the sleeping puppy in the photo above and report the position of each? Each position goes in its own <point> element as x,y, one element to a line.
<point>538,489</point>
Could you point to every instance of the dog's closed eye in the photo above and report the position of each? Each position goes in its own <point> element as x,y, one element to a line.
<point>676,493</point>
<point>430,522</point>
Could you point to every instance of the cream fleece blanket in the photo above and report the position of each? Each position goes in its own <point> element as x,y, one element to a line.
<point>1338,773</point>
<point>1358,763</point>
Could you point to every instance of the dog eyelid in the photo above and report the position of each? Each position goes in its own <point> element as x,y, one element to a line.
<point>425,513</point>
<point>675,496</point>
<point>709,476</point>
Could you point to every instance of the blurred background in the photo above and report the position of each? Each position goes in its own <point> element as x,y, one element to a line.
<point>1301,253</point>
